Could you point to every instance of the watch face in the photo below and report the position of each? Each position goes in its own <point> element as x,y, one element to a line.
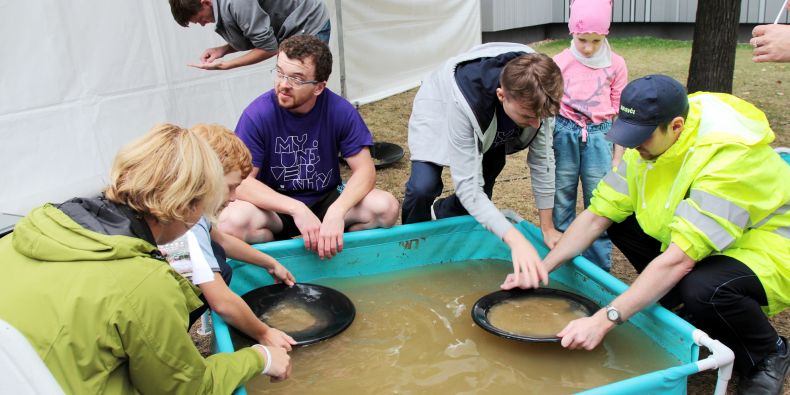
<point>612,314</point>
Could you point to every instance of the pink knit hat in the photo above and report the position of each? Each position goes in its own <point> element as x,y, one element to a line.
<point>590,16</point>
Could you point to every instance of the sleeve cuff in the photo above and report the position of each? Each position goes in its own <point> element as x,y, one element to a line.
<point>693,251</point>
<point>500,226</point>
<point>544,201</point>
<point>607,211</point>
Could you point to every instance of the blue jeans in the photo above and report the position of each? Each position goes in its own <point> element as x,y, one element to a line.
<point>588,161</point>
<point>323,34</point>
<point>425,185</point>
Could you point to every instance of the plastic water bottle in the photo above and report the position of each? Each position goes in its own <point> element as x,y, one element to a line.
<point>205,324</point>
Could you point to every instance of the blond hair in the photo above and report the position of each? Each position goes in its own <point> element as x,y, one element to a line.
<point>168,173</point>
<point>232,152</point>
<point>535,81</point>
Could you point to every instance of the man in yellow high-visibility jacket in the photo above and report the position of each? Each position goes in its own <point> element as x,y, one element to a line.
<point>700,206</point>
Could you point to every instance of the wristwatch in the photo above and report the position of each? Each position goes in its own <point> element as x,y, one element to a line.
<point>613,315</point>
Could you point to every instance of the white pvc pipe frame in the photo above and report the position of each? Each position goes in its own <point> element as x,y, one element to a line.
<point>721,358</point>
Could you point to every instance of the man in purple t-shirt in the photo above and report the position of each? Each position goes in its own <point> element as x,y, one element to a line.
<point>295,133</point>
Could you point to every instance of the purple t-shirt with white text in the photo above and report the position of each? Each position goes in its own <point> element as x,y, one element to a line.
<point>297,155</point>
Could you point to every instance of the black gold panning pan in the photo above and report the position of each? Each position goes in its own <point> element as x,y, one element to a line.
<point>329,311</point>
<point>481,309</point>
<point>385,154</point>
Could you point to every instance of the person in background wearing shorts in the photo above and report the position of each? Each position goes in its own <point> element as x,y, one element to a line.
<point>295,133</point>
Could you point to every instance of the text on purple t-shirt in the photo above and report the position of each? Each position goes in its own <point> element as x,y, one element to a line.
<point>297,155</point>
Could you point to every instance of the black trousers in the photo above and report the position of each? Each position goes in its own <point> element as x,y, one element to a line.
<point>225,271</point>
<point>425,185</point>
<point>720,295</point>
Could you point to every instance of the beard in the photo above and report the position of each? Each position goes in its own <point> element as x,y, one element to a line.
<point>290,100</point>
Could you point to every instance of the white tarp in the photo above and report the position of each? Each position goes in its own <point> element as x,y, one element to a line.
<point>391,45</point>
<point>81,78</point>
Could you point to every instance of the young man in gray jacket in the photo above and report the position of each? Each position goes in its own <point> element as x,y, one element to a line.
<point>470,113</point>
<point>255,25</point>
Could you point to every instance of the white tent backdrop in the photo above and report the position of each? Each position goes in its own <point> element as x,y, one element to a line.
<point>391,45</point>
<point>79,79</point>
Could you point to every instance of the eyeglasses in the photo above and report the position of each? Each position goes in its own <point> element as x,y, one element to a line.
<point>277,75</point>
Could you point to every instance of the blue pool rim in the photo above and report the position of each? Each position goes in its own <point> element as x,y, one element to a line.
<point>578,274</point>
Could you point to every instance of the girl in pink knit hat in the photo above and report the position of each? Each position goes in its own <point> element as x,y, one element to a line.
<point>594,78</point>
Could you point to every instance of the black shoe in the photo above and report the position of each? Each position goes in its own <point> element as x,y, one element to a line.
<point>768,376</point>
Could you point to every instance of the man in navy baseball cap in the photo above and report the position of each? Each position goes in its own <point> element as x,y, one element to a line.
<point>684,212</point>
<point>647,103</point>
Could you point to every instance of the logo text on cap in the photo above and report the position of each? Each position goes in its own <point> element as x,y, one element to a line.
<point>628,110</point>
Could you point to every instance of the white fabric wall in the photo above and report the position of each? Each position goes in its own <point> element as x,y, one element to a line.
<point>390,45</point>
<point>79,79</point>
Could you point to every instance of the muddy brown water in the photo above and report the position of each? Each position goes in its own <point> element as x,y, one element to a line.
<point>413,334</point>
<point>535,316</point>
<point>289,317</point>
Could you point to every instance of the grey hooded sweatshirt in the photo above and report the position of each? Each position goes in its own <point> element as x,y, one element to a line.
<point>443,130</point>
<point>248,24</point>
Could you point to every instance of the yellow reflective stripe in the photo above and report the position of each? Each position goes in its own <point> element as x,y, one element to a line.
<point>719,236</point>
<point>780,211</point>
<point>617,182</point>
<point>721,207</point>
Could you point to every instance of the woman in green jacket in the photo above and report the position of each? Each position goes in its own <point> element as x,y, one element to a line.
<point>84,282</point>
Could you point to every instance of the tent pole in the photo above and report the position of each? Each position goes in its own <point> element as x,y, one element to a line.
<point>341,49</point>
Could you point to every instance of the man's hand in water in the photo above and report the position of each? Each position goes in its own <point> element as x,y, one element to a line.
<point>528,270</point>
<point>277,338</point>
<point>587,332</point>
<point>277,359</point>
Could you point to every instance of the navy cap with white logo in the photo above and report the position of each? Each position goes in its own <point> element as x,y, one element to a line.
<point>646,103</point>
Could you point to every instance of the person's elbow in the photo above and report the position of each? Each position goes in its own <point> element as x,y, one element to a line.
<point>681,263</point>
<point>596,224</point>
<point>686,265</point>
<point>369,177</point>
<point>363,168</point>
<point>468,192</point>
<point>363,179</point>
<point>221,303</point>
<point>222,307</point>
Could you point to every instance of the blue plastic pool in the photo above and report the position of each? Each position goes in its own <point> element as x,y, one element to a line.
<point>461,239</point>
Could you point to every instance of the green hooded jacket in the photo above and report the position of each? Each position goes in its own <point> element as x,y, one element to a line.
<point>719,189</point>
<point>85,284</point>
